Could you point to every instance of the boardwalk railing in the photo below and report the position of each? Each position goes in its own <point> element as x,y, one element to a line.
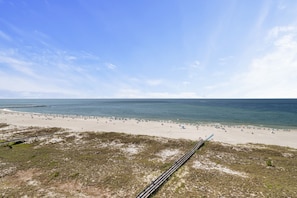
<point>164,176</point>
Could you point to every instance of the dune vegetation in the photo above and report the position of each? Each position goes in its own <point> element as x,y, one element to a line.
<point>54,162</point>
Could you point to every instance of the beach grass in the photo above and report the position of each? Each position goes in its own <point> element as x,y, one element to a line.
<point>2,125</point>
<point>70,164</point>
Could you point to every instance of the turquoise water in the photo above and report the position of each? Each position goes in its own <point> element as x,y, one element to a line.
<point>266,112</point>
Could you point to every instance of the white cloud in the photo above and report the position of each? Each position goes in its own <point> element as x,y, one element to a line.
<point>281,6</point>
<point>47,73</point>
<point>276,31</point>
<point>128,93</point>
<point>286,42</point>
<point>18,65</point>
<point>111,66</point>
<point>28,87</point>
<point>70,58</point>
<point>195,64</point>
<point>41,34</point>
<point>141,93</point>
<point>191,70</point>
<point>191,66</point>
<point>225,60</point>
<point>154,82</point>
<point>172,95</point>
<point>272,75</point>
<point>263,15</point>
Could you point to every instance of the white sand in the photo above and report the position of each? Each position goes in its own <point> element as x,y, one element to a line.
<point>239,134</point>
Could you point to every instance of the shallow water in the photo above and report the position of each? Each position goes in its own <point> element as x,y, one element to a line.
<point>266,112</point>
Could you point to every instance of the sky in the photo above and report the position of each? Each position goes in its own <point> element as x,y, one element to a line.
<point>148,49</point>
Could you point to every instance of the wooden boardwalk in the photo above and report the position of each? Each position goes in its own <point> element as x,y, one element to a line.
<point>164,176</point>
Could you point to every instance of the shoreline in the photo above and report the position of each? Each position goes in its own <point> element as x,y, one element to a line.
<point>224,133</point>
<point>179,121</point>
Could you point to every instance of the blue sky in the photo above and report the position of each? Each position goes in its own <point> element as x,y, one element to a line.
<point>148,49</point>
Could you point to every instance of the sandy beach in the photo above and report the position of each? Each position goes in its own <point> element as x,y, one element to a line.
<point>231,134</point>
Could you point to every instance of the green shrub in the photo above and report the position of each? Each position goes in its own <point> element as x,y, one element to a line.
<point>269,163</point>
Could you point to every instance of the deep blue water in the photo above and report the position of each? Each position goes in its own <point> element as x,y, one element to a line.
<point>266,112</point>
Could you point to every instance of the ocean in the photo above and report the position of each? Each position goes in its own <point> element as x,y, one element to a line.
<point>259,112</point>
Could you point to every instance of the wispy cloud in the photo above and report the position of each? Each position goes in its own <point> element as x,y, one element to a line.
<point>136,93</point>
<point>190,70</point>
<point>172,95</point>
<point>195,65</point>
<point>4,36</point>
<point>154,82</point>
<point>276,31</point>
<point>282,6</point>
<point>12,27</point>
<point>272,75</point>
<point>110,66</point>
<point>18,65</point>
<point>186,83</point>
<point>225,60</point>
<point>48,73</point>
<point>128,93</point>
<point>264,12</point>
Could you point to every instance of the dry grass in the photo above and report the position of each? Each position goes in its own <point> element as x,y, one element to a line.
<point>64,164</point>
<point>2,125</point>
